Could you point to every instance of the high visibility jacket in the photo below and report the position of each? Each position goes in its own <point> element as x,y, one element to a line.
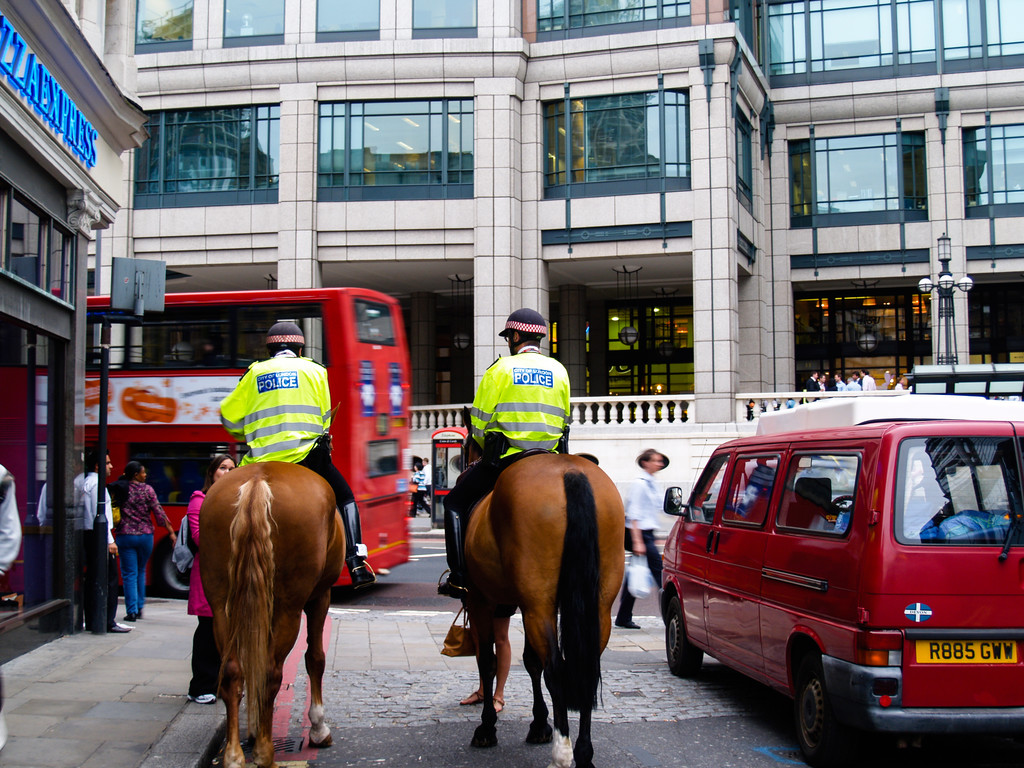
<point>526,398</point>
<point>279,407</point>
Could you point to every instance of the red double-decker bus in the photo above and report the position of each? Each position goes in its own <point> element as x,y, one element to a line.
<point>169,373</point>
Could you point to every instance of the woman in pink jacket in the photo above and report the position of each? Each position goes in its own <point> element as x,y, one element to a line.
<point>205,658</point>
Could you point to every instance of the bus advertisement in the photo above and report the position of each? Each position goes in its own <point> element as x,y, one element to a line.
<point>169,372</point>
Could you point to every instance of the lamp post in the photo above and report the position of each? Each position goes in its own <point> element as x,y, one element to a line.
<point>945,286</point>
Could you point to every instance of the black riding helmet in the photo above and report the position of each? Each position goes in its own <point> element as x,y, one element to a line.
<point>528,322</point>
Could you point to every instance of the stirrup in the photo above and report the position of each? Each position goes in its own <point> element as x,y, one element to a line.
<point>362,575</point>
<point>449,589</point>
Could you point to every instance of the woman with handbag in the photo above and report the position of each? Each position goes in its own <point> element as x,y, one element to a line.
<point>643,502</point>
<point>202,689</point>
<point>135,536</point>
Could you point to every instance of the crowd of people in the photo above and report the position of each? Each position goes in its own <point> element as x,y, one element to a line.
<point>858,381</point>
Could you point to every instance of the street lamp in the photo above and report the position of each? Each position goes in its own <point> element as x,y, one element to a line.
<point>945,285</point>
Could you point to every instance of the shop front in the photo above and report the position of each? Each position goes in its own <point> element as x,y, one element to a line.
<point>64,124</point>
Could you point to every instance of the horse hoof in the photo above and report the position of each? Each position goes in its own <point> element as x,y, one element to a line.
<point>328,741</point>
<point>539,734</point>
<point>484,737</point>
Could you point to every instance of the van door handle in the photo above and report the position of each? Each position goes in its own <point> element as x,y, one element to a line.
<point>718,538</point>
<point>710,541</point>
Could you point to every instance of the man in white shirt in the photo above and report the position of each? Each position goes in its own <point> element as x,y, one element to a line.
<point>10,544</point>
<point>643,503</point>
<point>867,383</point>
<point>86,513</point>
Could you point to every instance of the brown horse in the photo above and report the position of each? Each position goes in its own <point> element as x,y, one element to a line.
<point>548,539</point>
<point>272,546</point>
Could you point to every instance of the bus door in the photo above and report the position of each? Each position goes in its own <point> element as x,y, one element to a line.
<point>446,464</point>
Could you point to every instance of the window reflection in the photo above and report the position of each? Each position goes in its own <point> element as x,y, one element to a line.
<point>210,150</point>
<point>994,165</point>
<point>252,18</point>
<point>163,21</point>
<point>36,249</point>
<point>551,14</point>
<point>612,138</point>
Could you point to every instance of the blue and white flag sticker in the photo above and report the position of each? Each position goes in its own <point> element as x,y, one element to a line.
<point>367,391</point>
<point>918,612</point>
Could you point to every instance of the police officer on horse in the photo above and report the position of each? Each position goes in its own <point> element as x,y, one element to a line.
<point>522,405</point>
<point>282,408</point>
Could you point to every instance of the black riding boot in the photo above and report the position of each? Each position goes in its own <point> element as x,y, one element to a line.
<point>355,550</point>
<point>454,542</point>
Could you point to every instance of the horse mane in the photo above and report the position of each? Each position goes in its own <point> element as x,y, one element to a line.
<point>578,657</point>
<point>250,595</point>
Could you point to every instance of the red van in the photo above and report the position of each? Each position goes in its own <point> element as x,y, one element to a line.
<point>870,565</point>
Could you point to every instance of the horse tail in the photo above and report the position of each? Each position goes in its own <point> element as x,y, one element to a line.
<point>578,659</point>
<point>250,598</point>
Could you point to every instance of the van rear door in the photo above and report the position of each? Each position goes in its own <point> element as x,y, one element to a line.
<point>956,502</point>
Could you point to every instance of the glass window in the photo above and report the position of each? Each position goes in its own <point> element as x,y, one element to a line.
<point>253,18</point>
<point>846,34</point>
<point>209,151</point>
<point>373,323</point>
<point>421,145</point>
<point>744,159</point>
<point>553,14</point>
<point>163,21</point>
<point>750,490</point>
<point>820,493</point>
<point>705,494</point>
<point>36,249</point>
<point>858,174</point>
<point>961,29</point>
<point>957,490</point>
<point>1005,32</point>
<point>994,165</point>
<point>347,16</point>
<point>614,138</point>
<point>444,14</point>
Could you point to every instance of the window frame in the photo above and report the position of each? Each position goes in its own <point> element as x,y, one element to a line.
<point>163,45</point>
<point>166,129</point>
<point>349,119</point>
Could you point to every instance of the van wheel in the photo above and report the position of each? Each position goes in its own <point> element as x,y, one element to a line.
<point>684,658</point>
<point>167,580</point>
<point>824,741</point>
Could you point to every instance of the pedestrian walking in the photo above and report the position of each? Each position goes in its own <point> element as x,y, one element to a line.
<point>643,502</point>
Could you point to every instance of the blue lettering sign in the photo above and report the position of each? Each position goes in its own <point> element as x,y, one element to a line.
<point>30,78</point>
<point>268,382</point>
<point>534,377</point>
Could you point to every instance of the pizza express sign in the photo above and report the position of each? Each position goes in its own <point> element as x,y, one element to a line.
<point>33,82</point>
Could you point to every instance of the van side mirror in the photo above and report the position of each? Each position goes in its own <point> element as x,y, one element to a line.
<point>674,504</point>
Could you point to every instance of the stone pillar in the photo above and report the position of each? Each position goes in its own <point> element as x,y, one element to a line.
<point>572,335</point>
<point>502,279</point>
<point>597,360</point>
<point>423,347</point>
<point>715,296</point>
<point>298,265</point>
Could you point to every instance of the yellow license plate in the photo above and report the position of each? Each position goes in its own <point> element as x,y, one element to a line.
<point>966,651</point>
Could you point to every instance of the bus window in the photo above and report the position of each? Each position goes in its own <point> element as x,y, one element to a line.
<point>382,456</point>
<point>373,323</point>
<point>176,469</point>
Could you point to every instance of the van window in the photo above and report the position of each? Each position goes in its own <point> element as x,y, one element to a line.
<point>705,493</point>
<point>956,490</point>
<point>750,490</point>
<point>820,493</point>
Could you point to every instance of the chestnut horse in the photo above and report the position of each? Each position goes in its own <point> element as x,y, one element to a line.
<point>272,545</point>
<point>548,539</point>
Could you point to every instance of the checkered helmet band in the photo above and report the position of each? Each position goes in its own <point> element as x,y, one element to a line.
<point>526,321</point>
<point>285,333</point>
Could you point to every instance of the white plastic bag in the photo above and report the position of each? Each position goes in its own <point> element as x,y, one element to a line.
<point>639,581</point>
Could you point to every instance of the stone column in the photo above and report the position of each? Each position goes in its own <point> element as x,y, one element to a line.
<point>572,335</point>
<point>423,347</point>
<point>298,265</point>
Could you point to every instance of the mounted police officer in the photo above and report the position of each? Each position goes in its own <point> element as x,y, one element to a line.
<point>282,408</point>
<point>522,405</point>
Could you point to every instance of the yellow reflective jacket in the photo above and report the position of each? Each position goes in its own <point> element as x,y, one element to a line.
<point>279,407</point>
<point>526,398</point>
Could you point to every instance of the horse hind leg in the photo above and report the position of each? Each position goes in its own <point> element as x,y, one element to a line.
<point>540,730</point>
<point>231,694</point>
<point>561,748</point>
<point>584,751</point>
<point>316,616</point>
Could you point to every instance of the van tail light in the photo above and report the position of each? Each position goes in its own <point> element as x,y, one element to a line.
<point>880,648</point>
